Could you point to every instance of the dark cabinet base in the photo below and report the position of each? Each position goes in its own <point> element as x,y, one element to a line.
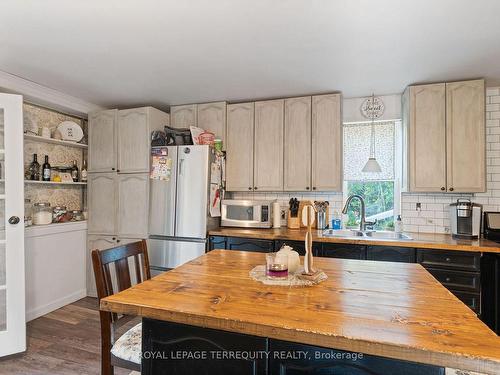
<point>178,349</point>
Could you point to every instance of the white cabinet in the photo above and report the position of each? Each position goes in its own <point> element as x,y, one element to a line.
<point>102,189</point>
<point>327,141</point>
<point>297,145</point>
<point>427,138</point>
<point>465,136</point>
<point>446,137</point>
<point>212,118</point>
<point>102,141</point>
<point>133,203</point>
<point>183,116</point>
<point>268,149</point>
<point>134,137</point>
<point>239,148</point>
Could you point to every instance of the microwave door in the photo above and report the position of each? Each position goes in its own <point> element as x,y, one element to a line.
<point>241,215</point>
<point>192,192</point>
<point>162,200</point>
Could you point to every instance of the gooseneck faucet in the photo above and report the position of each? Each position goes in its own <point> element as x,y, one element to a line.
<point>362,223</point>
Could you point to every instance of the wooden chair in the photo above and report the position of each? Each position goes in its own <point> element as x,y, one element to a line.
<point>125,351</point>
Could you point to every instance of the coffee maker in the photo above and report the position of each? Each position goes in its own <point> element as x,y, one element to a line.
<point>465,219</point>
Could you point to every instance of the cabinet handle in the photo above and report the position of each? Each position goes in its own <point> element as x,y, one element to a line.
<point>249,188</point>
<point>255,188</point>
<point>307,187</point>
<point>448,259</point>
<point>114,238</point>
<point>112,169</point>
<point>314,187</point>
<point>451,189</point>
<point>118,170</point>
<point>14,220</point>
<point>117,240</point>
<point>447,279</point>
<point>442,188</point>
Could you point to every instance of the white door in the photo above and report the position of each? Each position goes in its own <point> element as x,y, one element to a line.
<point>12,295</point>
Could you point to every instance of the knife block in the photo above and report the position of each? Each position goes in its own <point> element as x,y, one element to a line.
<point>292,222</point>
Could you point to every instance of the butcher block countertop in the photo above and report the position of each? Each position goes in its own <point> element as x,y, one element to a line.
<point>420,240</point>
<point>395,310</point>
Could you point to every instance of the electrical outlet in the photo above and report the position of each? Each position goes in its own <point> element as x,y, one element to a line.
<point>418,206</point>
<point>283,214</point>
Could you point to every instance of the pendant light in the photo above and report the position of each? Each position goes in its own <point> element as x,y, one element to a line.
<point>372,165</point>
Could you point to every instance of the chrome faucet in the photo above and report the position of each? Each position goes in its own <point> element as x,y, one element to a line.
<point>363,223</point>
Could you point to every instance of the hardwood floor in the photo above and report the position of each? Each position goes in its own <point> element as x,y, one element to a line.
<point>65,342</point>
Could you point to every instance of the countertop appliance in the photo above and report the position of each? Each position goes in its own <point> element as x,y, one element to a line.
<point>465,219</point>
<point>246,213</point>
<point>491,225</point>
<point>179,207</point>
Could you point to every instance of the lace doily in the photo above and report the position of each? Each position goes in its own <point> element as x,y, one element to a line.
<point>258,273</point>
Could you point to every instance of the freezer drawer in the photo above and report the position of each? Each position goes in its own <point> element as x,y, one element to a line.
<point>167,254</point>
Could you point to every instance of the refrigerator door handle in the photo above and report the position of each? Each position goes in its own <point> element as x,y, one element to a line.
<point>181,162</point>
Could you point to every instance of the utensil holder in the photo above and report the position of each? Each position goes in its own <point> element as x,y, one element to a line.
<point>292,222</point>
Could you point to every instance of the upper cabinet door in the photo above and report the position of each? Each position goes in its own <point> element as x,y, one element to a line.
<point>212,118</point>
<point>268,151</point>
<point>133,140</point>
<point>239,148</point>
<point>297,166</point>
<point>427,138</point>
<point>102,141</point>
<point>133,207</point>
<point>102,203</point>
<point>183,116</point>
<point>465,132</point>
<point>327,143</point>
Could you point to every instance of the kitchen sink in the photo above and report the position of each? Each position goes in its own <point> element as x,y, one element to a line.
<point>346,233</point>
<point>388,235</point>
<point>378,235</point>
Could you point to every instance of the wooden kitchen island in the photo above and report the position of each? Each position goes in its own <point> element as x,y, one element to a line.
<point>208,316</point>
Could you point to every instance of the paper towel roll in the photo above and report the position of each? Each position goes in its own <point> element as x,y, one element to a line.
<point>276,215</point>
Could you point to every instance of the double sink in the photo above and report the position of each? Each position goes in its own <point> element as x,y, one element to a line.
<point>357,234</point>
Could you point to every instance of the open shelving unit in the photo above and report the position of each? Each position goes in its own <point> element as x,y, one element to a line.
<point>37,138</point>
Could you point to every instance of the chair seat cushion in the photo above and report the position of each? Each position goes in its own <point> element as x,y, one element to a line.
<point>128,346</point>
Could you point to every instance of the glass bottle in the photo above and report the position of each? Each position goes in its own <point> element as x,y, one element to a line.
<point>74,172</point>
<point>34,169</point>
<point>46,169</point>
<point>83,173</point>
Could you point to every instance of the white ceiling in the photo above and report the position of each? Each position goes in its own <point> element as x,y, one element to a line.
<point>127,53</point>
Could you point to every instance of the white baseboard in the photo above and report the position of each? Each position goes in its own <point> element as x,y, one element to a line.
<point>57,304</point>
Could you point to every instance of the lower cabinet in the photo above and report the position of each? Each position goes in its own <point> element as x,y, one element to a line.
<point>249,244</point>
<point>391,254</point>
<point>203,350</point>
<point>216,242</point>
<point>315,360</point>
<point>344,251</point>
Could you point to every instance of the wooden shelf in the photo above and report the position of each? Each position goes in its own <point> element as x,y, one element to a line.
<point>55,183</point>
<point>37,138</point>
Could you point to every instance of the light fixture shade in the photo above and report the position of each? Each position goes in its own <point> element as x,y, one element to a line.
<point>372,166</point>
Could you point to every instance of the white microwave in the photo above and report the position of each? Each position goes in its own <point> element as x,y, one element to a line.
<point>246,213</point>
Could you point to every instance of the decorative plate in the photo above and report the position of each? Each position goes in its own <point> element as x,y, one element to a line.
<point>70,131</point>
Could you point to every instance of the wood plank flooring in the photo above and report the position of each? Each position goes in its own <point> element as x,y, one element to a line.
<point>65,342</point>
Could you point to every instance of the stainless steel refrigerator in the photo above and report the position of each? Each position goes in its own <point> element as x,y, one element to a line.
<point>179,213</point>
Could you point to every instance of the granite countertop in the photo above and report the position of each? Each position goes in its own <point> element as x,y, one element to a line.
<point>420,240</point>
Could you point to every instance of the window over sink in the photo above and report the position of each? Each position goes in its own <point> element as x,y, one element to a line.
<point>381,191</point>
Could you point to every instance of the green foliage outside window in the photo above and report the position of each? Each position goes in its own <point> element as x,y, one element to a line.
<point>379,198</point>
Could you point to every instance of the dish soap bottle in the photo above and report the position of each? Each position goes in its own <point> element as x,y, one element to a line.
<point>398,225</point>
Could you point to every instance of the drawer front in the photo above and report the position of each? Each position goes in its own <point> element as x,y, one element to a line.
<point>457,280</point>
<point>472,300</point>
<point>343,251</point>
<point>249,244</point>
<point>460,260</point>
<point>391,254</point>
<point>299,246</point>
